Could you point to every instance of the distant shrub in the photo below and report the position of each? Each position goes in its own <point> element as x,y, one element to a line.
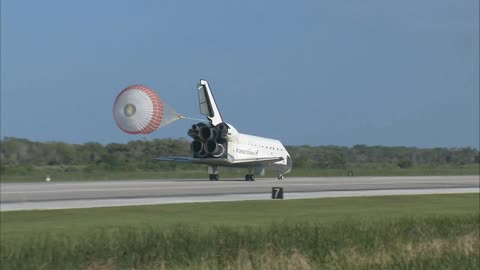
<point>405,164</point>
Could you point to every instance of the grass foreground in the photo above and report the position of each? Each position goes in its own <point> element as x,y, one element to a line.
<point>390,232</point>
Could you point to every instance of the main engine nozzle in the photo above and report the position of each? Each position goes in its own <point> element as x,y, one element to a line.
<point>194,132</point>
<point>207,133</point>
<point>215,148</point>
<point>198,148</point>
<point>222,129</point>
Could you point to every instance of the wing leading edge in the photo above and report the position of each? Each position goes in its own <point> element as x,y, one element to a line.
<point>223,161</point>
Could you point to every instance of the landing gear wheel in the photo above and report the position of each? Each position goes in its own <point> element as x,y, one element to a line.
<point>280,177</point>
<point>249,177</point>
<point>213,177</point>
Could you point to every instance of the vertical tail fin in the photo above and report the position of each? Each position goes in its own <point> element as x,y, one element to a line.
<point>208,107</point>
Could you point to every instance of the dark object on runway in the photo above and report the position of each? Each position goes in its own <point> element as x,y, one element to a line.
<point>277,193</point>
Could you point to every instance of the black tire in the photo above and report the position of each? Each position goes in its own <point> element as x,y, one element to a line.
<point>216,177</point>
<point>252,177</point>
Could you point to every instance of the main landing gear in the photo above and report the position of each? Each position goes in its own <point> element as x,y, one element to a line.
<point>249,177</point>
<point>214,177</point>
<point>213,173</point>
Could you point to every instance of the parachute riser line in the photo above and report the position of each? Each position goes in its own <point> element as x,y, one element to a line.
<point>191,118</point>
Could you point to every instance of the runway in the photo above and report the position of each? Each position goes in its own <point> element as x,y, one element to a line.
<point>64,195</point>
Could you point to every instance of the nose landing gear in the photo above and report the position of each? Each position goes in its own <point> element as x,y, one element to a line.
<point>280,177</point>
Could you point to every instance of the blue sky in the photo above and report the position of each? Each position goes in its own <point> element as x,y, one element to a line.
<point>305,72</point>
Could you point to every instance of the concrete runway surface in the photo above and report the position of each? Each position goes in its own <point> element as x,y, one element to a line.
<point>63,195</point>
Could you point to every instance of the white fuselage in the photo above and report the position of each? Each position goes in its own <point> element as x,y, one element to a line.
<point>244,146</point>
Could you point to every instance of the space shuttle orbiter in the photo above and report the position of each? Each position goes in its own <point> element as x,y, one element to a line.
<point>218,143</point>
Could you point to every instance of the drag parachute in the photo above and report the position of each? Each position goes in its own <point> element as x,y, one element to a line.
<point>139,110</point>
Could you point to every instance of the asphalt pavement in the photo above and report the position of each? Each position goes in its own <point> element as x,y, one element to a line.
<point>84,194</point>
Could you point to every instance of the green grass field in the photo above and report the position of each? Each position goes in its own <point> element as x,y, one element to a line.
<point>390,232</point>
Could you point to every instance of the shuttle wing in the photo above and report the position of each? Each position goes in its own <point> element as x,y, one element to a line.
<point>224,161</point>
<point>257,161</point>
<point>207,161</point>
<point>176,159</point>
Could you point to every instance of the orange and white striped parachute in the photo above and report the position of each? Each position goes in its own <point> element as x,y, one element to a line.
<point>139,110</point>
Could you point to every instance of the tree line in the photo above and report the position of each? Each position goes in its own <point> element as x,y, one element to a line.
<point>139,154</point>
